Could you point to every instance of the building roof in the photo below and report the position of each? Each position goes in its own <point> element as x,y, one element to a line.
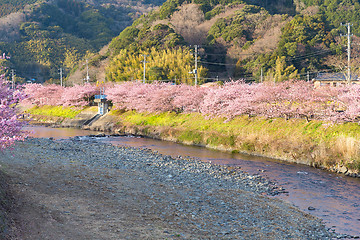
<point>335,77</point>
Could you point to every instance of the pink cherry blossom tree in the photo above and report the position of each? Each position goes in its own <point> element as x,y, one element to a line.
<point>78,95</point>
<point>119,94</point>
<point>189,98</point>
<point>37,94</point>
<point>232,99</point>
<point>349,103</point>
<point>10,126</point>
<point>289,99</point>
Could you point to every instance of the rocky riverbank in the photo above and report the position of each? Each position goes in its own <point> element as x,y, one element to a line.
<point>72,189</point>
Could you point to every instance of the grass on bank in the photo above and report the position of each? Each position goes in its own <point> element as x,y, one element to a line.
<point>316,143</point>
<point>55,111</point>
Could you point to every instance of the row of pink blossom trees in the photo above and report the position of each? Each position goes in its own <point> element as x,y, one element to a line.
<point>291,99</point>
<point>55,95</point>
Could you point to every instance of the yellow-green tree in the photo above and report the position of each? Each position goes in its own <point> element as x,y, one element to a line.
<point>282,71</point>
<point>167,64</point>
<point>71,58</point>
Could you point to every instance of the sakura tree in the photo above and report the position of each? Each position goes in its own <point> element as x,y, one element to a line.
<point>40,95</point>
<point>10,126</point>
<point>119,94</point>
<point>289,99</point>
<point>189,98</point>
<point>78,95</point>
<point>349,102</point>
<point>231,100</point>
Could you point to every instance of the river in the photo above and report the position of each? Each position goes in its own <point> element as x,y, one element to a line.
<point>335,198</point>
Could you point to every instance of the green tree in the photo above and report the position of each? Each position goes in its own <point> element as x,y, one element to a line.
<point>165,64</point>
<point>283,71</point>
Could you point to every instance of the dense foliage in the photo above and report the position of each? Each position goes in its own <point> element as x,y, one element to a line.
<point>276,39</point>
<point>10,6</point>
<point>214,7</point>
<point>279,39</point>
<point>59,33</point>
<point>168,58</point>
<point>173,65</point>
<point>288,99</point>
<point>160,37</point>
<point>337,12</point>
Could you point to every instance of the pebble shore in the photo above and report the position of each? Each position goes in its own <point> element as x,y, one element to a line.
<point>169,198</point>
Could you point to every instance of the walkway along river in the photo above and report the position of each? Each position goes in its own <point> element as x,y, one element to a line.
<point>330,196</point>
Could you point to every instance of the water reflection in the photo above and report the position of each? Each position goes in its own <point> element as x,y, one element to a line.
<point>56,133</point>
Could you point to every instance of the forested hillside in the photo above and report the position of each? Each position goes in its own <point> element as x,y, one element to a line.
<point>257,40</point>
<point>10,6</point>
<point>275,39</point>
<point>43,36</point>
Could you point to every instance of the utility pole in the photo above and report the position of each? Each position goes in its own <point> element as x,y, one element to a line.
<point>87,71</point>
<point>261,75</point>
<point>308,76</point>
<point>348,35</point>
<point>12,78</point>
<point>195,71</point>
<point>61,77</point>
<point>144,79</point>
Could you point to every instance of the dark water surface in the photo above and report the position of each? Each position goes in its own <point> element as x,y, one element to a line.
<point>335,197</point>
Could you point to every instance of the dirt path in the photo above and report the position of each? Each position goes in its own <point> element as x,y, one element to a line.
<point>78,190</point>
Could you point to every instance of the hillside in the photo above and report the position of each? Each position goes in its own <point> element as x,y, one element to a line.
<point>275,39</point>
<point>11,6</point>
<point>281,39</point>
<point>43,36</point>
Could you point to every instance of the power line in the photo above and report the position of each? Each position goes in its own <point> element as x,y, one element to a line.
<point>224,54</point>
<point>220,64</point>
<point>290,58</point>
<point>299,57</point>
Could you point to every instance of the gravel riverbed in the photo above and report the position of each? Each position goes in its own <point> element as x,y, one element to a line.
<point>72,189</point>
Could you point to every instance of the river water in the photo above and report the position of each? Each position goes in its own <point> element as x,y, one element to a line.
<point>335,197</point>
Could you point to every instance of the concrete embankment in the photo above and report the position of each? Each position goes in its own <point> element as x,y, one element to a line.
<point>331,146</point>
